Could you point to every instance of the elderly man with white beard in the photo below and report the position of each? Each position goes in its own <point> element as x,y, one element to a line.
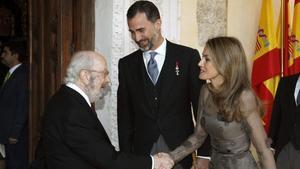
<point>72,135</point>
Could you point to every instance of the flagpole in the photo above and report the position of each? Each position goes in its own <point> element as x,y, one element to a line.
<point>285,38</point>
<point>282,35</point>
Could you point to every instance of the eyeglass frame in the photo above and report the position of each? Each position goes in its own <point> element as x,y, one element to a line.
<point>105,72</point>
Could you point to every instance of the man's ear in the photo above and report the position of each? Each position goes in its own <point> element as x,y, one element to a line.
<point>16,55</point>
<point>157,24</point>
<point>84,77</point>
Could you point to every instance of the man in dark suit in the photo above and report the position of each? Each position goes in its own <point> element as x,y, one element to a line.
<point>14,107</point>
<point>285,123</point>
<point>72,135</point>
<point>158,84</point>
<point>3,71</point>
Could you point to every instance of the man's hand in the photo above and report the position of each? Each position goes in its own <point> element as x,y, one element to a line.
<point>12,140</point>
<point>201,163</point>
<point>163,161</point>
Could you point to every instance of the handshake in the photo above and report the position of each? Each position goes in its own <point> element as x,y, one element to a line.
<point>163,161</point>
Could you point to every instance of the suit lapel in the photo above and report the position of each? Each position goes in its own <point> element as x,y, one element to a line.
<point>289,98</point>
<point>293,82</point>
<point>296,109</point>
<point>10,79</point>
<point>80,99</point>
<point>167,77</point>
<point>142,80</point>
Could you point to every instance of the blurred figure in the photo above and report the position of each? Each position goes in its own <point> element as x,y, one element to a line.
<point>3,70</point>
<point>72,135</point>
<point>229,111</point>
<point>285,123</point>
<point>158,87</point>
<point>14,106</point>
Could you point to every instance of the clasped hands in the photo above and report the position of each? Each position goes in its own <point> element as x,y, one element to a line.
<point>163,161</point>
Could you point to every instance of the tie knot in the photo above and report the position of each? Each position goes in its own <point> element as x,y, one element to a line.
<point>152,54</point>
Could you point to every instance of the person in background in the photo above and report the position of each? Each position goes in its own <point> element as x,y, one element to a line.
<point>285,123</point>
<point>72,136</point>
<point>3,68</point>
<point>14,106</point>
<point>229,111</point>
<point>158,89</point>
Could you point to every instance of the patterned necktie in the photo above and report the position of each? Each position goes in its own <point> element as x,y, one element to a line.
<point>298,98</point>
<point>152,67</point>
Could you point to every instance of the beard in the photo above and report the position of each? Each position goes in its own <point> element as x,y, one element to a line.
<point>146,47</point>
<point>149,42</point>
<point>95,96</point>
<point>96,93</point>
<point>93,92</point>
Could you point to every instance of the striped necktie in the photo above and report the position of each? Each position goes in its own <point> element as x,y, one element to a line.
<point>152,67</point>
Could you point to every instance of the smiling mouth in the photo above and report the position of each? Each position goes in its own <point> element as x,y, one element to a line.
<point>143,43</point>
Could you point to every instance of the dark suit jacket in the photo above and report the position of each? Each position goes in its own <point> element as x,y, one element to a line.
<point>3,71</point>
<point>138,127</point>
<point>14,105</point>
<point>73,137</point>
<point>283,113</point>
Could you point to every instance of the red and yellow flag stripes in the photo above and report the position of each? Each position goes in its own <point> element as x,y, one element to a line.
<point>266,62</point>
<point>293,56</point>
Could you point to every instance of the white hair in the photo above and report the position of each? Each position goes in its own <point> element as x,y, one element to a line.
<point>79,61</point>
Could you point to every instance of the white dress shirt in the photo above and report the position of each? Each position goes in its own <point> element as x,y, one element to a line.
<point>297,88</point>
<point>159,57</point>
<point>11,70</point>
<point>80,91</point>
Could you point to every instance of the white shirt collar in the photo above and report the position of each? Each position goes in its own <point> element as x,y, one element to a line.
<point>161,50</point>
<point>160,57</point>
<point>11,70</point>
<point>80,91</point>
<point>297,88</point>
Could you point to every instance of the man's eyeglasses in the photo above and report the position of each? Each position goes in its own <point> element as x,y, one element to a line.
<point>105,72</point>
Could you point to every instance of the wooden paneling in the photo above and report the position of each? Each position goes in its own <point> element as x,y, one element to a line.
<point>36,31</point>
<point>84,24</point>
<point>57,29</point>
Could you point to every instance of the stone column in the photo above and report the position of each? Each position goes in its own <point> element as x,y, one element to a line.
<point>211,19</point>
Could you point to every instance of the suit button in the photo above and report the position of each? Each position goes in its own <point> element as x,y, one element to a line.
<point>155,98</point>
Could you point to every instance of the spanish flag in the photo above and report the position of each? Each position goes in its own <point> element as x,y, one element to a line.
<point>266,62</point>
<point>293,56</point>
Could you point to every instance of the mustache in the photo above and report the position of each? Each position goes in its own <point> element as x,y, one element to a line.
<point>142,40</point>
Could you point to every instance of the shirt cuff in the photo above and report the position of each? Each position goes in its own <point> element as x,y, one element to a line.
<point>2,150</point>
<point>152,167</point>
<point>204,157</point>
<point>272,149</point>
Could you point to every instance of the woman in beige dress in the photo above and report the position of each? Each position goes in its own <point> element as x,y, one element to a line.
<point>229,111</point>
